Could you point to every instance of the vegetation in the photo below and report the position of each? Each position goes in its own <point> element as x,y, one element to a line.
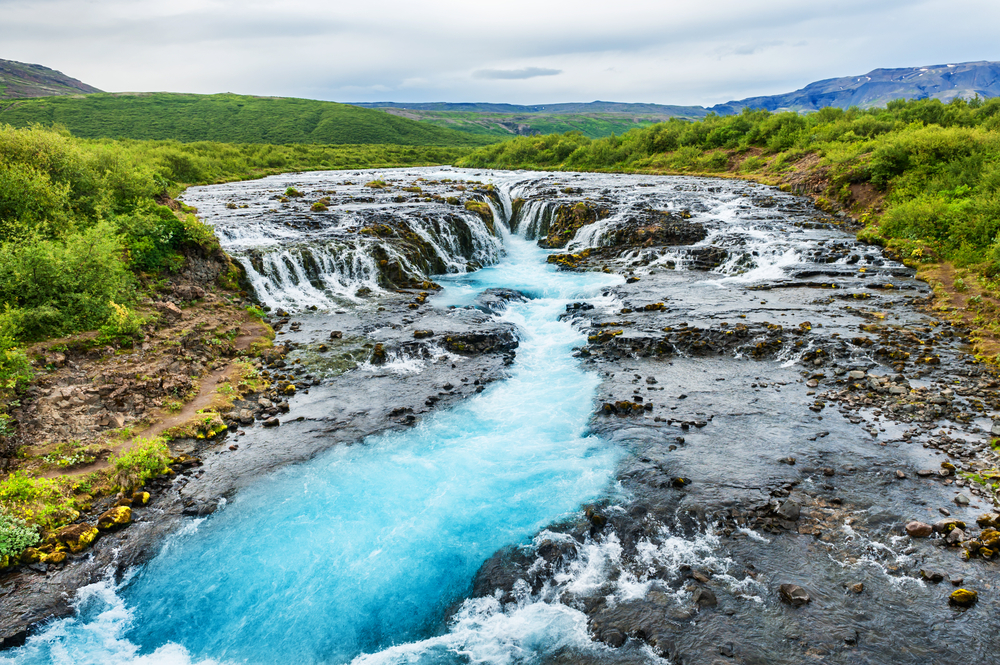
<point>15,535</point>
<point>227,118</point>
<point>933,168</point>
<point>504,125</point>
<point>145,459</point>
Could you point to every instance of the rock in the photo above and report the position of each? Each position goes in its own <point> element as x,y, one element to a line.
<point>378,356</point>
<point>140,499</point>
<point>946,525</point>
<point>77,537</point>
<point>170,312</point>
<point>612,637</point>
<point>989,520</point>
<point>995,428</point>
<point>789,510</point>
<point>919,529</point>
<point>962,500</point>
<point>115,518</point>
<point>336,334</point>
<point>271,422</point>
<point>31,555</point>
<point>422,334</point>
<point>793,594</point>
<point>963,597</point>
<point>828,471</point>
<point>245,417</point>
<point>265,403</point>
<point>931,576</point>
<point>955,536</point>
<point>54,558</point>
<point>856,375</point>
<point>812,383</point>
<point>900,474</point>
<point>925,473</point>
<point>787,460</point>
<point>704,597</point>
<point>857,588</point>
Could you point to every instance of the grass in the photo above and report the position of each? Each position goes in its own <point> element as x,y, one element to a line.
<point>145,459</point>
<point>227,118</point>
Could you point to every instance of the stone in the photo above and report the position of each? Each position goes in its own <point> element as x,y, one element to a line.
<point>265,403</point>
<point>704,597</point>
<point>962,500</point>
<point>955,536</point>
<point>931,576</point>
<point>115,518</point>
<point>925,473</point>
<point>919,529</point>
<point>272,422</point>
<point>946,525</point>
<point>995,428</point>
<point>245,417</point>
<point>857,588</point>
<point>422,334</point>
<point>140,499</point>
<point>77,537</point>
<point>812,383</point>
<point>989,520</point>
<point>856,375</point>
<point>336,334</point>
<point>54,558</point>
<point>900,474</point>
<point>789,510</point>
<point>963,597</point>
<point>170,312</point>
<point>793,594</point>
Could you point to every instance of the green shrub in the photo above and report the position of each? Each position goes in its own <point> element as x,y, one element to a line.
<point>15,535</point>
<point>46,502</point>
<point>145,459</point>
<point>15,368</point>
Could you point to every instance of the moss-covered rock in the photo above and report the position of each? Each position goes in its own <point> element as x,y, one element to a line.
<point>54,557</point>
<point>77,537</point>
<point>31,555</point>
<point>963,597</point>
<point>115,518</point>
<point>140,498</point>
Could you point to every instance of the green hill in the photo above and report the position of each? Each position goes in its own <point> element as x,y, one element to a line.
<point>20,79</point>
<point>227,118</point>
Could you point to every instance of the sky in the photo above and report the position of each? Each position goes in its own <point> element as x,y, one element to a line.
<point>517,51</point>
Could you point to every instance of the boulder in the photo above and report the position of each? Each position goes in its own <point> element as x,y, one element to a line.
<point>115,518</point>
<point>140,498</point>
<point>946,525</point>
<point>77,537</point>
<point>919,529</point>
<point>989,520</point>
<point>272,422</point>
<point>793,594</point>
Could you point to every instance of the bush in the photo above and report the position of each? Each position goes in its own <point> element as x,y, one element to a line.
<point>15,535</point>
<point>15,368</point>
<point>145,459</point>
<point>46,502</point>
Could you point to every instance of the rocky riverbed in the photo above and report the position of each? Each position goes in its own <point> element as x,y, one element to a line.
<point>782,401</point>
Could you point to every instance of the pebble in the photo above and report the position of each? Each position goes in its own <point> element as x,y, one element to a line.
<point>857,588</point>
<point>944,511</point>
<point>962,500</point>
<point>900,475</point>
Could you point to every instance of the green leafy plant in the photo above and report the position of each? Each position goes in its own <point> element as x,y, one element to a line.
<point>144,459</point>
<point>15,535</point>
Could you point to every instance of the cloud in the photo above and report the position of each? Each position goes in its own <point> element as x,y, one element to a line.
<point>526,73</point>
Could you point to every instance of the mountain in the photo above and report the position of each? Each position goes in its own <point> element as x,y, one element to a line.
<point>880,86</point>
<point>19,80</point>
<point>227,118</point>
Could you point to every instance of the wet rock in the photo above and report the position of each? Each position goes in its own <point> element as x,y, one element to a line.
<point>919,529</point>
<point>931,576</point>
<point>900,474</point>
<point>271,422</point>
<point>793,594</point>
<point>704,597</point>
<point>963,597</point>
<point>989,520</point>
<point>497,300</point>
<point>245,417</point>
<point>947,525</point>
<point>789,510</point>
<point>139,499</point>
<point>336,334</point>
<point>856,375</point>
<point>857,588</point>
<point>378,356</point>
<point>955,536</point>
<point>962,500</point>
<point>115,518</point>
<point>422,334</point>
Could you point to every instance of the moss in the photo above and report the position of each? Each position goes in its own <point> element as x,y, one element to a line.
<point>77,537</point>
<point>115,518</point>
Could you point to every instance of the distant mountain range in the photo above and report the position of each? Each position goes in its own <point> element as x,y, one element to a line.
<point>19,80</point>
<point>880,86</point>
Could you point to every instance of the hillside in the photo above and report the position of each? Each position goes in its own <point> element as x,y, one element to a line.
<point>19,80</point>
<point>880,86</point>
<point>227,118</point>
<point>593,119</point>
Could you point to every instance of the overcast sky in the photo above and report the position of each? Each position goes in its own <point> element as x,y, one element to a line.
<point>518,51</point>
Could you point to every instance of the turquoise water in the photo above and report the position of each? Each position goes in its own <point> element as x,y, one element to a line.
<point>367,547</point>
